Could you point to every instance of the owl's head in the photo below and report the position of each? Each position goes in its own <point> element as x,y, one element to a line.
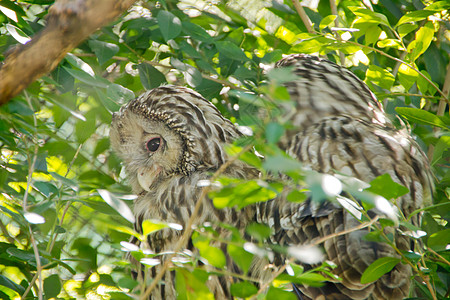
<point>169,130</point>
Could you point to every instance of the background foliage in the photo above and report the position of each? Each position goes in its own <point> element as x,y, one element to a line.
<point>64,199</point>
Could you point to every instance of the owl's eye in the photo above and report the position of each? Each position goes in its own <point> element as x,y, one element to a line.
<point>153,144</point>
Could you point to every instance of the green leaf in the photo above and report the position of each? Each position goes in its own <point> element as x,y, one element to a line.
<point>380,77</point>
<point>259,231</point>
<point>378,268</point>
<point>279,163</point>
<point>149,226</point>
<point>404,29</point>
<point>150,76</point>
<point>241,257</point>
<point>420,116</point>
<point>296,196</point>
<point>327,21</point>
<point>442,145</point>
<point>243,289</point>
<point>308,278</point>
<point>390,43</point>
<point>438,6</point>
<point>213,255</point>
<point>84,129</point>
<point>407,76</point>
<point>46,188</point>
<point>191,74</point>
<point>196,32</point>
<point>277,294</point>
<point>4,281</point>
<point>104,51</point>
<point>169,24</point>
<point>119,94</point>
<point>242,194</point>
<point>17,34</point>
<point>415,16</point>
<point>440,240</point>
<point>274,132</point>
<point>423,39</point>
<point>232,51</point>
<point>367,16</point>
<point>384,186</point>
<point>423,84</point>
<point>372,34</point>
<point>87,78</point>
<point>191,285</point>
<point>52,286</point>
<point>120,206</point>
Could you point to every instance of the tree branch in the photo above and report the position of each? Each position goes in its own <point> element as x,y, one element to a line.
<point>69,22</point>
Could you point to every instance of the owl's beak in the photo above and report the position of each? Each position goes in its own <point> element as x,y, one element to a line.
<point>146,176</point>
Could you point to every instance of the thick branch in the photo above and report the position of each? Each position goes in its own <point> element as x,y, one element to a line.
<point>69,22</point>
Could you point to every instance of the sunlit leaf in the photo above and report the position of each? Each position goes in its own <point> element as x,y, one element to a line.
<point>17,33</point>
<point>34,218</point>
<point>151,226</point>
<point>6,282</point>
<point>117,204</point>
<point>415,16</point>
<point>424,36</point>
<point>380,77</point>
<point>327,21</point>
<point>420,116</point>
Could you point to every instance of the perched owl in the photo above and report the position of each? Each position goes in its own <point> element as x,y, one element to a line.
<point>171,138</point>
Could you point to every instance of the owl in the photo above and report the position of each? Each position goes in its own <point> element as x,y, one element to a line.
<point>170,139</point>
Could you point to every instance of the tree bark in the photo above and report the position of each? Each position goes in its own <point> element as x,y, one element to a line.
<point>69,22</point>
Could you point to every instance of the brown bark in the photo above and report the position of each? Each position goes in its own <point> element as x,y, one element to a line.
<point>69,22</point>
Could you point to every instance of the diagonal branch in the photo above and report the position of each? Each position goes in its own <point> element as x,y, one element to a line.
<point>69,22</point>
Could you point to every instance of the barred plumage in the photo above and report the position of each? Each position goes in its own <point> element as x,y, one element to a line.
<point>339,127</point>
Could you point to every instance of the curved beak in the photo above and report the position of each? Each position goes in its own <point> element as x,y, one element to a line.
<point>146,176</point>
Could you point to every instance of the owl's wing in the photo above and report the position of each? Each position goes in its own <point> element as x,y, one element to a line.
<point>362,150</point>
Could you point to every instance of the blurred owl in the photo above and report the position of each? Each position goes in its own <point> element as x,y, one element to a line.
<point>171,138</point>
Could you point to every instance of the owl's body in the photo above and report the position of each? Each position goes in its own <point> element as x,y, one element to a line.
<point>171,138</point>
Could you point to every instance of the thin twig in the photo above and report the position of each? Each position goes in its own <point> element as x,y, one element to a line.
<point>188,229</point>
<point>301,12</point>
<point>25,198</point>
<point>439,256</point>
<point>359,227</point>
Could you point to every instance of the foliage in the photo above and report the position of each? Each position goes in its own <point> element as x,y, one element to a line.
<point>64,200</point>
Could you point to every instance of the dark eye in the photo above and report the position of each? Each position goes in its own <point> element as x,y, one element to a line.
<point>153,144</point>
